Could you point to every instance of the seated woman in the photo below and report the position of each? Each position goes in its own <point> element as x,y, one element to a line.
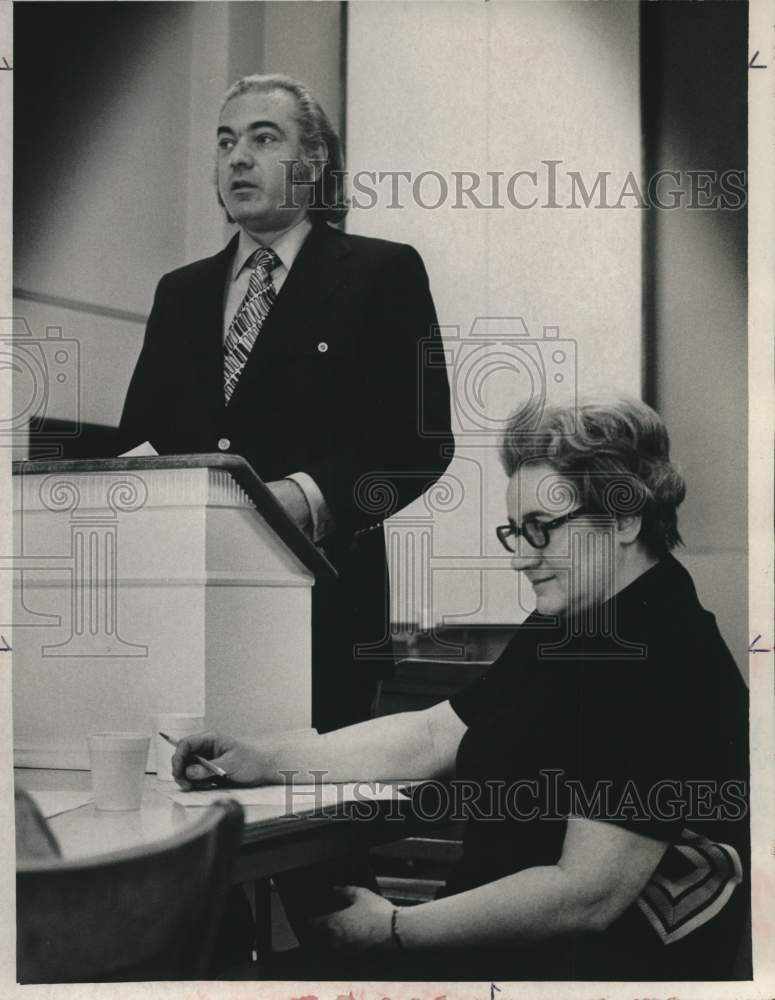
<point>607,836</point>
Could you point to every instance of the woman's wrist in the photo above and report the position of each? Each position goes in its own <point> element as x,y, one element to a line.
<point>419,926</point>
<point>411,927</point>
<point>395,935</point>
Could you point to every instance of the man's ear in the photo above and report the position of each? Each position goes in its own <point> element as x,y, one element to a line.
<point>628,528</point>
<point>314,160</point>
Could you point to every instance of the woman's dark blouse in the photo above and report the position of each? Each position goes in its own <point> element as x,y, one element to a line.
<point>655,698</point>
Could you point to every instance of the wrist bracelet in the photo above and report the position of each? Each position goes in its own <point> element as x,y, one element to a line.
<point>394,928</point>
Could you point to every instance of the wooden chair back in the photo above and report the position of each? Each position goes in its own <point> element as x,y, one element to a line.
<point>147,913</point>
<point>34,838</point>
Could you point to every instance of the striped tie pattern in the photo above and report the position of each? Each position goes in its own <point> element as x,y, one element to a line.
<point>249,318</point>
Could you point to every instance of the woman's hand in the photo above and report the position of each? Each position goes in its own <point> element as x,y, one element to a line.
<point>243,765</point>
<point>363,926</point>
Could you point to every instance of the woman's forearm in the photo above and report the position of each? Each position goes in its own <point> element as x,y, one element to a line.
<point>393,747</point>
<point>532,905</point>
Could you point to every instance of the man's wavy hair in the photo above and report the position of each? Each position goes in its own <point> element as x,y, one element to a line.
<point>327,198</point>
<point>615,451</point>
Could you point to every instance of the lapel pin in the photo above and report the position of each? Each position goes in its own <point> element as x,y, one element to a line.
<point>322,347</point>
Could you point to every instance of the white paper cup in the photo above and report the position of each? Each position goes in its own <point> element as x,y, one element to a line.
<point>117,769</point>
<point>176,725</point>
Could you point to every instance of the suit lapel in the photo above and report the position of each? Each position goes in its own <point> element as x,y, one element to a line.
<point>206,303</point>
<point>317,272</point>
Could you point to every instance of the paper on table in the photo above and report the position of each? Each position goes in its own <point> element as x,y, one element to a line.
<point>52,803</point>
<point>293,798</point>
<point>146,448</point>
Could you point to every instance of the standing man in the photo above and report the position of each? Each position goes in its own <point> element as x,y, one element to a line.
<point>298,347</point>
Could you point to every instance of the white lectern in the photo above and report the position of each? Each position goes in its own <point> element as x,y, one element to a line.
<point>146,585</point>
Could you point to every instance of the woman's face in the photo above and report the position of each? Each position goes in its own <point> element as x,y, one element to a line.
<point>576,569</point>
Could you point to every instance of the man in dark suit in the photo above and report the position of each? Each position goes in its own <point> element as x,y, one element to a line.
<point>299,348</point>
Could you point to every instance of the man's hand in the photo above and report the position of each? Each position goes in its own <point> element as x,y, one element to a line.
<point>363,926</point>
<point>291,498</point>
<point>243,765</point>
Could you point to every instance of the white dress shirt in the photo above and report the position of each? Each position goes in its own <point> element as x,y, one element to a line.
<point>287,246</point>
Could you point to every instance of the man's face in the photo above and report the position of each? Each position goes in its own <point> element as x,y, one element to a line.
<point>257,131</point>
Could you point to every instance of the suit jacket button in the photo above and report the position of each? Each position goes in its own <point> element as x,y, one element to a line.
<point>322,347</point>
<point>224,444</point>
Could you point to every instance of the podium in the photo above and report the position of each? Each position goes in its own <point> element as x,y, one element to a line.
<point>161,584</point>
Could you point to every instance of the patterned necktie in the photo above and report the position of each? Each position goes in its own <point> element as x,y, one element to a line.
<point>249,318</point>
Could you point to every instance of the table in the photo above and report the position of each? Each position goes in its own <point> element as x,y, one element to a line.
<point>272,842</point>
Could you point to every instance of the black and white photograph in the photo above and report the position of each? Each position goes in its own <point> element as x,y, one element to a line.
<point>387,435</point>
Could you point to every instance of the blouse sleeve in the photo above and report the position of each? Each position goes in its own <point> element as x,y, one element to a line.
<point>495,683</point>
<point>657,743</point>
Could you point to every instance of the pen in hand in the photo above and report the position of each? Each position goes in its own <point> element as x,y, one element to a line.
<point>206,764</point>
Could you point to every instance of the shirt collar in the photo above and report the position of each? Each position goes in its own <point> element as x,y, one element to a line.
<point>666,585</point>
<point>667,582</point>
<point>287,246</point>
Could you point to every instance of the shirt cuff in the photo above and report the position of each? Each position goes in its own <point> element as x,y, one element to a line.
<point>322,520</point>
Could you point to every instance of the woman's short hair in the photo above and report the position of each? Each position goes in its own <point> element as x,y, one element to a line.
<point>327,197</point>
<point>616,452</point>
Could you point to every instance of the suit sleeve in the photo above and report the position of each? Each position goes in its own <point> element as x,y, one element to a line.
<point>140,418</point>
<point>403,442</point>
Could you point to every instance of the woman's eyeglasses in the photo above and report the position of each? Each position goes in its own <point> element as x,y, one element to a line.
<point>533,529</point>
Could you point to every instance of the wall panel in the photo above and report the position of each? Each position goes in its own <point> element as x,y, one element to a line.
<point>502,87</point>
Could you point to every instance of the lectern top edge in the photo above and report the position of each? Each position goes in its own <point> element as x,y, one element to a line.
<point>240,471</point>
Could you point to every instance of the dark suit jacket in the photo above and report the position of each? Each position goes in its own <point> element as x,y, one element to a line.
<point>336,386</point>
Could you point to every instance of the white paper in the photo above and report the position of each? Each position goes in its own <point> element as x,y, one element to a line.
<point>293,798</point>
<point>146,448</point>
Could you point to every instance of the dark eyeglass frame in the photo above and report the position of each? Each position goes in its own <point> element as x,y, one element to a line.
<point>534,530</point>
